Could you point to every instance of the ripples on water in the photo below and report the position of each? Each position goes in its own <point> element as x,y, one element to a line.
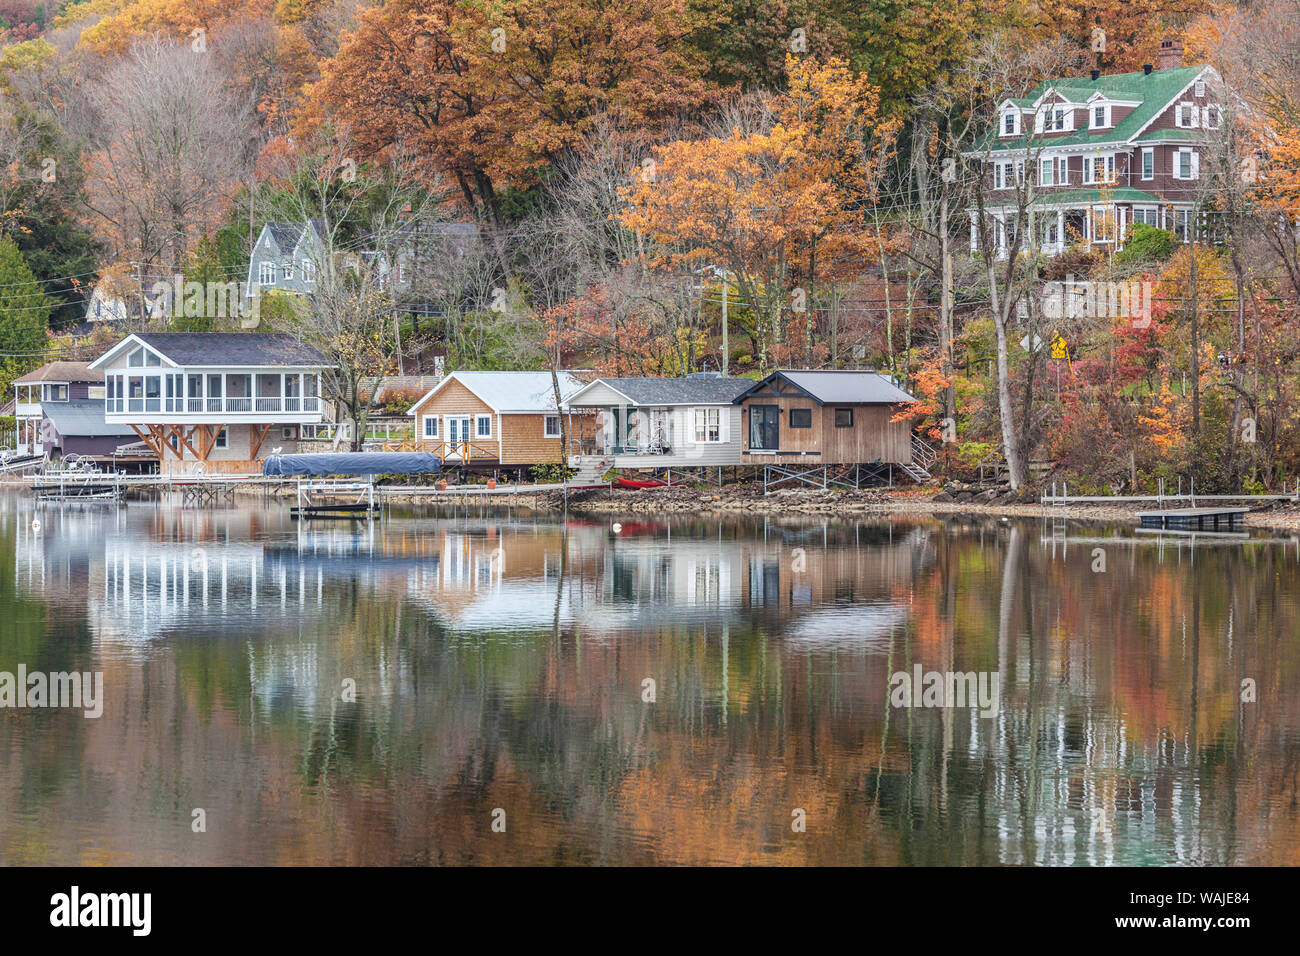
<point>500,662</point>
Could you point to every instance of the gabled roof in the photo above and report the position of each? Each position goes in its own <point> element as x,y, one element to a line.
<point>1154,91</point>
<point>61,372</point>
<point>222,349</point>
<point>686,390</point>
<point>839,387</point>
<point>510,392</point>
<point>288,234</point>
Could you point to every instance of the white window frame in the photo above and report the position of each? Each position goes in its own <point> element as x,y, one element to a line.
<point>551,426</point>
<point>1193,164</point>
<point>425,431</point>
<point>1063,172</point>
<point>1090,169</point>
<point>1200,89</point>
<point>706,421</point>
<point>287,270</point>
<point>1192,115</point>
<point>478,426</point>
<point>265,273</point>
<point>1148,153</point>
<point>1140,214</point>
<point>1047,171</point>
<point>1105,116</point>
<point>1212,110</point>
<point>1014,116</point>
<point>308,271</point>
<point>222,440</point>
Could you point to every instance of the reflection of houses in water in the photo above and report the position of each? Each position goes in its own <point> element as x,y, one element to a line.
<point>809,583</point>
<point>651,576</point>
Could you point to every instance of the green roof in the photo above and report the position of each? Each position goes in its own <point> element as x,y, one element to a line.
<point>1075,197</point>
<point>1155,91</point>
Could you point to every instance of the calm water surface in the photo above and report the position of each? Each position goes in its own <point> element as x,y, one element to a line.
<point>500,663</point>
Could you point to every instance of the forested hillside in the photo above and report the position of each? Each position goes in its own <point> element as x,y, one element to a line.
<point>637,169</point>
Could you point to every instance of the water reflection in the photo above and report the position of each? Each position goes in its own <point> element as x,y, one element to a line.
<point>500,662</point>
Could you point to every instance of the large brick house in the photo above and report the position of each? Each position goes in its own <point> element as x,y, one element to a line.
<point>1088,157</point>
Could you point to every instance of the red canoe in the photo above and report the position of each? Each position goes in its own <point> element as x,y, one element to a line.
<point>633,483</point>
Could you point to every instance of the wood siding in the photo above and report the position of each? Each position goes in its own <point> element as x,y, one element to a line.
<point>517,438</point>
<point>873,437</point>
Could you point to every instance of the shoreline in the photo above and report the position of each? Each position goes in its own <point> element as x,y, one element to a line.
<point>742,500</point>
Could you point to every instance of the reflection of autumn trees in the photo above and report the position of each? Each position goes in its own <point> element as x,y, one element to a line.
<point>1121,737</point>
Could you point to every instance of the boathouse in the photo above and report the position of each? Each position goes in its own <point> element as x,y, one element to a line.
<point>799,423</point>
<point>213,402</point>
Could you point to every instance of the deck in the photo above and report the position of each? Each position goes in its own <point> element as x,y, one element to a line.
<point>1199,519</point>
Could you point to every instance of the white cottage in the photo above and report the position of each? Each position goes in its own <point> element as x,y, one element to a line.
<point>213,402</point>
<point>651,423</point>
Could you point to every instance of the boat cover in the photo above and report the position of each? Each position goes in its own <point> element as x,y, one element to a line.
<point>353,463</point>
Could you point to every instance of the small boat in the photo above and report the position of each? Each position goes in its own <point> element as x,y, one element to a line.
<point>641,484</point>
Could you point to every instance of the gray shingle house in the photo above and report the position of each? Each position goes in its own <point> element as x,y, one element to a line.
<point>286,257</point>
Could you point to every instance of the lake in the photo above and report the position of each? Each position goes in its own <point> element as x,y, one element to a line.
<point>504,688</point>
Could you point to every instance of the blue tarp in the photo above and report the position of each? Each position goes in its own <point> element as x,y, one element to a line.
<point>353,463</point>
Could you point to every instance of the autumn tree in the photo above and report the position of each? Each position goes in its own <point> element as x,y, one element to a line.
<point>785,175</point>
<point>494,95</point>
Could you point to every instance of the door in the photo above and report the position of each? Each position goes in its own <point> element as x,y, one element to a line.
<point>457,437</point>
<point>764,427</point>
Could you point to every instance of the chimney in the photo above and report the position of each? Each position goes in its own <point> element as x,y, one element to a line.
<point>1095,75</point>
<point>1171,54</point>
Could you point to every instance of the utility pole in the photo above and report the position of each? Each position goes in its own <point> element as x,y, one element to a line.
<point>726,352</point>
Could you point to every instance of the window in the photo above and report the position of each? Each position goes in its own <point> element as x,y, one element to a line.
<point>266,273</point>
<point>801,418</point>
<point>1182,223</point>
<point>1100,169</point>
<point>55,393</point>
<point>288,272</point>
<point>152,393</point>
<point>430,426</point>
<point>708,425</point>
<point>1145,215</point>
<point>482,426</point>
<point>1148,163</point>
<point>308,271</point>
<point>552,429</point>
<point>1211,117</point>
<point>764,427</point>
<point>223,440</point>
<point>1063,171</point>
<point>1185,117</point>
<point>1002,173</point>
<point>1010,123</point>
<point>136,359</point>
<point>843,418</point>
<point>1100,117</point>
<point>1200,89</point>
<point>1046,168</point>
<point>1061,119</point>
<point>1186,164</point>
<point>96,391</point>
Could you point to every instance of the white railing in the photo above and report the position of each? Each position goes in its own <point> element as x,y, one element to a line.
<point>117,406</point>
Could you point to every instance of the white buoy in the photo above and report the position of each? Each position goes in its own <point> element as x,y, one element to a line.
<point>617,527</point>
<point>36,524</point>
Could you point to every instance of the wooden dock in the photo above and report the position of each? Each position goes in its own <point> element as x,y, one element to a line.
<point>1194,519</point>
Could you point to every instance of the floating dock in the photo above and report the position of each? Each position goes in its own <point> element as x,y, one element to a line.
<point>1194,519</point>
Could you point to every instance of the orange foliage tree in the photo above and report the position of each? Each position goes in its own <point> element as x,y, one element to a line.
<point>759,202</point>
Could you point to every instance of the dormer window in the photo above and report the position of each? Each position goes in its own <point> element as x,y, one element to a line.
<point>1010,123</point>
<point>1100,116</point>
